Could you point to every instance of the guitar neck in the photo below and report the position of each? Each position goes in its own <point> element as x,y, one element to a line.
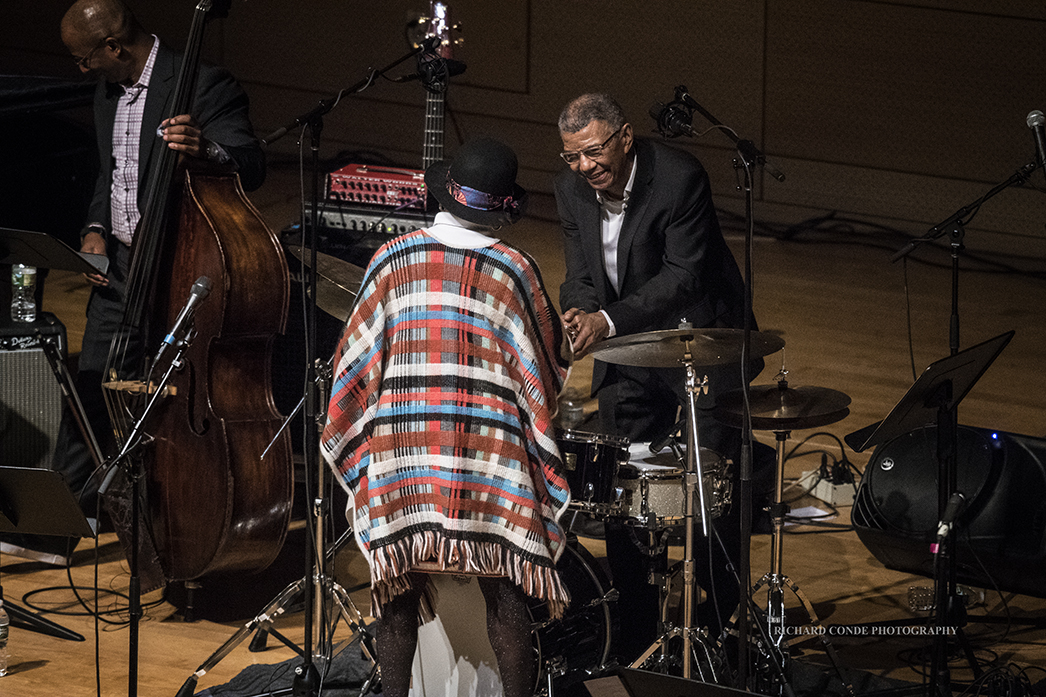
<point>432,149</point>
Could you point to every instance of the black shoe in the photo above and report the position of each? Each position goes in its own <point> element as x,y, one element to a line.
<point>45,549</point>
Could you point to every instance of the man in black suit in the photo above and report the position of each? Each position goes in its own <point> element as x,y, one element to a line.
<point>644,252</point>
<point>137,76</point>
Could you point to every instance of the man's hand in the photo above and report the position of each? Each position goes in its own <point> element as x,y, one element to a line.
<point>183,134</point>
<point>585,328</point>
<point>93,243</point>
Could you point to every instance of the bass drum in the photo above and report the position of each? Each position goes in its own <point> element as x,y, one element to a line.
<point>576,646</point>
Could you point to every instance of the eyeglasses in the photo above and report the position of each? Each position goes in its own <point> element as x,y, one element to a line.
<point>82,62</point>
<point>593,153</point>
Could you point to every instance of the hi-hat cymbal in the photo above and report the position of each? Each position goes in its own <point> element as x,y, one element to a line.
<point>337,282</point>
<point>668,348</point>
<point>779,407</point>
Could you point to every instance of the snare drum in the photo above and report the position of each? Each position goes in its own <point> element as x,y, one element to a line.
<point>654,491</point>
<point>591,461</point>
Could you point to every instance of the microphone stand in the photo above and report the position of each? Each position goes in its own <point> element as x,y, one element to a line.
<point>748,155</point>
<point>135,440</point>
<point>306,677</point>
<point>948,606</point>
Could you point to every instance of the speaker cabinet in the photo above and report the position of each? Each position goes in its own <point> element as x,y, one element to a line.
<point>1001,532</point>
<point>30,397</point>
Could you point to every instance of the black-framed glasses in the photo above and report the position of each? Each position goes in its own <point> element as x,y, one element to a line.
<point>593,153</point>
<point>82,62</point>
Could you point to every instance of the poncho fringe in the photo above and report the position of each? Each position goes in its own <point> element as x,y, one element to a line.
<point>391,565</point>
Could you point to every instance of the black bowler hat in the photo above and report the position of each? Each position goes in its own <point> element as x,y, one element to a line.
<point>479,184</point>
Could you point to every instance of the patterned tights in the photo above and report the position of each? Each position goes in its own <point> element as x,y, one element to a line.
<point>508,628</point>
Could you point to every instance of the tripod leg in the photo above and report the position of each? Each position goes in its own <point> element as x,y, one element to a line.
<point>273,610</point>
<point>28,620</point>
<point>816,622</point>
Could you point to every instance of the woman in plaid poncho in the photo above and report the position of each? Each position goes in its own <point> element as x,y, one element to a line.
<point>440,421</point>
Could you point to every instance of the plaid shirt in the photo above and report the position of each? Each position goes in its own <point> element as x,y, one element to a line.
<point>126,137</point>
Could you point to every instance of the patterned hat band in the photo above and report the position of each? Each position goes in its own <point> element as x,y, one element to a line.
<point>480,200</point>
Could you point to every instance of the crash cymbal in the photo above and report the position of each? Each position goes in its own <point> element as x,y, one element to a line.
<point>667,348</point>
<point>337,282</point>
<point>779,407</point>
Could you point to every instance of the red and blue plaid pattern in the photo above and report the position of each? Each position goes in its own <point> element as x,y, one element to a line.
<point>440,420</point>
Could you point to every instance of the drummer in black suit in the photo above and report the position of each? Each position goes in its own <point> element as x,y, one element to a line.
<point>644,251</point>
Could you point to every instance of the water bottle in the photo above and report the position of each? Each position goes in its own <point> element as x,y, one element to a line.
<point>571,409</point>
<point>5,625</point>
<point>23,293</point>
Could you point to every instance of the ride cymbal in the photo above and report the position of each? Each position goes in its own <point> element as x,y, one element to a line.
<point>668,348</point>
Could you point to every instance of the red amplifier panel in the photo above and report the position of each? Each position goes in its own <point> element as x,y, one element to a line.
<point>377,185</point>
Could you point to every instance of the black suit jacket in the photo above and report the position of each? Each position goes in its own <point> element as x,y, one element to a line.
<point>220,106</point>
<point>673,262</point>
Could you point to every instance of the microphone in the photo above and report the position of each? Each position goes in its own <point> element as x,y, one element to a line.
<point>662,442</point>
<point>200,290</point>
<point>673,119</point>
<point>951,511</point>
<point>1037,123</point>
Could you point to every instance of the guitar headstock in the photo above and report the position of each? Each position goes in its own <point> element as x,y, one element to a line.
<point>437,24</point>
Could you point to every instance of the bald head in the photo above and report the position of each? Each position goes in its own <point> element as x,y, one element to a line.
<point>95,20</point>
<point>107,40</point>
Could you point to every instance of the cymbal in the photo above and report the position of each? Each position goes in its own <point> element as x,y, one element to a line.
<point>667,348</point>
<point>779,407</point>
<point>337,282</point>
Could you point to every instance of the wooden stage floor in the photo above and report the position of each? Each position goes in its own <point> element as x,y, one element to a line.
<point>842,309</point>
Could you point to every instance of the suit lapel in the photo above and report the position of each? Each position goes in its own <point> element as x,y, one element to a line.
<point>593,244</point>
<point>157,100</point>
<point>637,208</point>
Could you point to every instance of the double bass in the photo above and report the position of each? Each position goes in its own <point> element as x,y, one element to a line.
<point>211,502</point>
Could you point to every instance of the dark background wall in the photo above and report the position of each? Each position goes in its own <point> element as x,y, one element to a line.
<point>893,112</point>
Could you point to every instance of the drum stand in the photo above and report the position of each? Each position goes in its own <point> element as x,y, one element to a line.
<point>693,483</point>
<point>262,623</point>
<point>776,583</point>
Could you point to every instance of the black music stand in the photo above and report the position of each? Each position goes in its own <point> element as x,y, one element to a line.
<point>47,252</point>
<point>934,399</point>
<point>918,406</point>
<point>38,502</point>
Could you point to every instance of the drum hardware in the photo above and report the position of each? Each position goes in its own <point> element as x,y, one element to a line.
<point>710,341</point>
<point>576,646</point>
<point>687,346</point>
<point>261,624</point>
<point>780,408</point>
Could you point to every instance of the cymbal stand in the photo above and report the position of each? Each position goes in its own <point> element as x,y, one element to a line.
<point>262,624</point>
<point>693,483</point>
<point>777,582</point>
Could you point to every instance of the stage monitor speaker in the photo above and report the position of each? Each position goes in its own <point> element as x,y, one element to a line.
<point>1001,532</point>
<point>628,682</point>
<point>30,397</point>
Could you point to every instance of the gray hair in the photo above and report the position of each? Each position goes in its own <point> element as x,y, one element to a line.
<point>591,107</point>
